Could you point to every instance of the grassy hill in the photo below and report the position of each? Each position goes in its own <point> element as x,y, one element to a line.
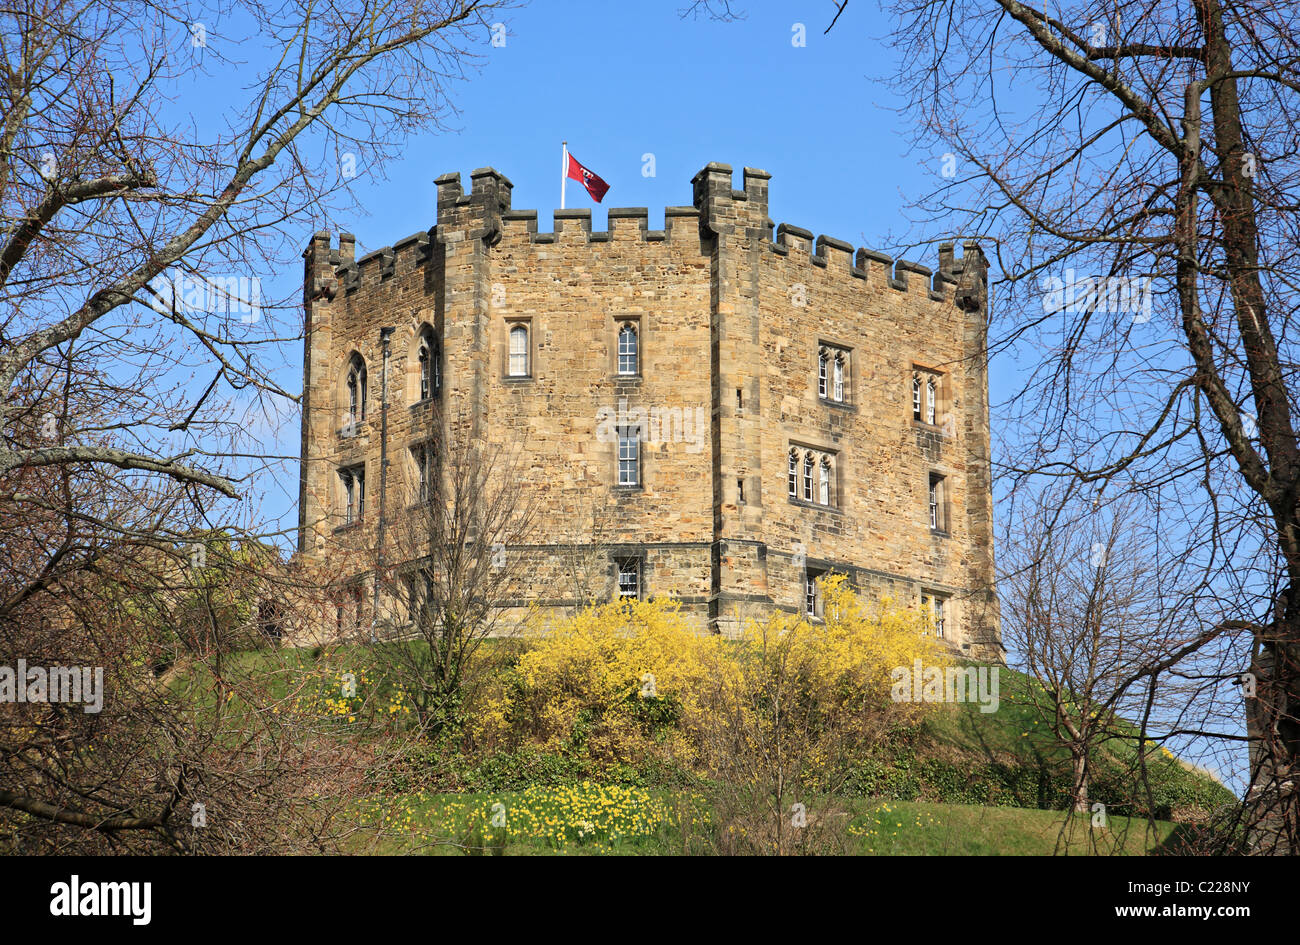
<point>1009,758</point>
<point>963,782</point>
<point>442,825</point>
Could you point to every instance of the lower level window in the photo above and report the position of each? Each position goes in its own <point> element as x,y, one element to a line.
<point>812,595</point>
<point>349,612</point>
<point>353,481</point>
<point>419,596</point>
<point>629,578</point>
<point>936,608</point>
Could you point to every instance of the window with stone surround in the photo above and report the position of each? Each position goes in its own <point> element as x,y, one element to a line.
<point>519,351</point>
<point>812,593</point>
<point>629,456</point>
<point>422,459</point>
<point>349,609</point>
<point>810,476</point>
<point>927,396</point>
<point>352,483</point>
<point>935,607</point>
<point>356,604</point>
<point>354,385</point>
<point>420,594</point>
<point>938,501</point>
<point>429,365</point>
<point>628,350</point>
<point>628,576</point>
<point>833,373</point>
<point>270,619</point>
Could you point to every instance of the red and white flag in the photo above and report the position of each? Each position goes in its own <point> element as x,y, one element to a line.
<point>589,179</point>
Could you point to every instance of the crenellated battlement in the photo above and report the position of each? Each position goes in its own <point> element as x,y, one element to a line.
<point>629,222</point>
<point>485,213</point>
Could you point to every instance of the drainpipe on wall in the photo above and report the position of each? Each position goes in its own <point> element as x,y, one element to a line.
<point>384,335</point>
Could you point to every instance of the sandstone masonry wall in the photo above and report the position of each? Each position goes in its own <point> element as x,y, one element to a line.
<point>730,314</point>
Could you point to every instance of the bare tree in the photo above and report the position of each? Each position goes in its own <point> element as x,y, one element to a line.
<point>138,359</point>
<point>587,547</point>
<point>1139,185</point>
<point>1086,613</point>
<point>166,741</point>
<point>459,568</point>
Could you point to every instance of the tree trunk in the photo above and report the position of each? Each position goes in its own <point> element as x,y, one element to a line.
<point>1079,781</point>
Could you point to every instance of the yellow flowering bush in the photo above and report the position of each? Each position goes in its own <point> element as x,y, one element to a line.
<point>770,723</point>
<point>630,680</point>
<point>848,656</point>
<point>793,705</point>
<point>613,681</point>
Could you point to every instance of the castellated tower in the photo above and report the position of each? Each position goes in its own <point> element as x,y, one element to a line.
<point>721,411</point>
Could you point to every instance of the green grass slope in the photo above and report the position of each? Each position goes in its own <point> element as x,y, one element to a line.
<point>964,782</point>
<point>1009,758</point>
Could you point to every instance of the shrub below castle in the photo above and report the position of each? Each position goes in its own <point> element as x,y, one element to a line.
<point>631,684</point>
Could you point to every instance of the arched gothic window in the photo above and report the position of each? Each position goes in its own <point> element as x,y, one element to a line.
<point>429,356</point>
<point>519,351</point>
<point>627,349</point>
<point>356,385</point>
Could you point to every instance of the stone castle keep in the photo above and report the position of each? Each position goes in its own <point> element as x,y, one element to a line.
<point>722,410</point>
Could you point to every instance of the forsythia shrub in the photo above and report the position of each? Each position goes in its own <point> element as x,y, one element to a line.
<point>837,667</point>
<point>628,681</point>
<point>612,682</point>
<point>792,707</point>
<point>851,654</point>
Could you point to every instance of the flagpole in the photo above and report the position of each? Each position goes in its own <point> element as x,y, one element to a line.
<point>564,169</point>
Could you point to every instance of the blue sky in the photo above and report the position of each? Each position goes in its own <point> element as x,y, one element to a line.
<point>619,81</point>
